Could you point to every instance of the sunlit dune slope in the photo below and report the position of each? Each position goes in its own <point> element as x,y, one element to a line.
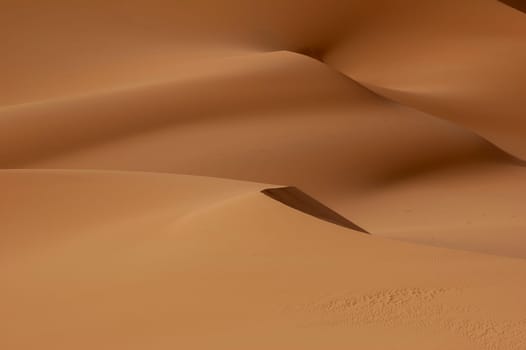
<point>285,118</point>
<point>217,263</point>
<point>292,174</point>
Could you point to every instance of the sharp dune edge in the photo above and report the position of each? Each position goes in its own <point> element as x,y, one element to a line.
<point>145,147</point>
<point>295,198</point>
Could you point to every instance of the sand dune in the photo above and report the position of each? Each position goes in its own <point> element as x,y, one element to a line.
<point>259,125</point>
<point>230,267</point>
<point>469,72</point>
<point>201,174</point>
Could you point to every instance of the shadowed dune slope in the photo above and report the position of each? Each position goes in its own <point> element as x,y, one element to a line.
<point>144,146</point>
<point>285,118</point>
<point>301,201</point>
<point>516,4</point>
<point>457,60</point>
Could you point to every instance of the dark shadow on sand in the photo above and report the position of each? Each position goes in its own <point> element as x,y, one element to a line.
<point>294,198</point>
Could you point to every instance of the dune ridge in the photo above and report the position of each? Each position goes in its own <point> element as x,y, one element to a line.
<point>176,275</point>
<point>184,174</point>
<point>301,201</point>
<point>131,129</point>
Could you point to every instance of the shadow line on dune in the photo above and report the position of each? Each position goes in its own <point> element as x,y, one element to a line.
<point>387,94</point>
<point>296,199</point>
<point>519,5</point>
<point>130,111</point>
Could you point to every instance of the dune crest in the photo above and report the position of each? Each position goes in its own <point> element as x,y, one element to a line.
<point>155,160</point>
<point>301,201</point>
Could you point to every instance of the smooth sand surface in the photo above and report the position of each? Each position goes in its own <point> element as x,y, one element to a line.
<point>230,269</point>
<point>156,156</point>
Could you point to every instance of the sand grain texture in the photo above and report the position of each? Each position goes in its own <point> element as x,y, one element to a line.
<point>202,174</point>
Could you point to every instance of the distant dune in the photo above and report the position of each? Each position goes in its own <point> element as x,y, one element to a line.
<point>263,174</point>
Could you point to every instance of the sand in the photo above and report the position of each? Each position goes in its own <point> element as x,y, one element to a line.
<point>263,175</point>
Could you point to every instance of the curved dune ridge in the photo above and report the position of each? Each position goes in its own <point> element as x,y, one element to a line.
<point>301,201</point>
<point>201,174</point>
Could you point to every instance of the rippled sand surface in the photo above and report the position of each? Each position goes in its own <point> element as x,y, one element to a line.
<point>263,174</point>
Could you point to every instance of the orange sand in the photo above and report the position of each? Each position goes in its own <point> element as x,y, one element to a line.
<point>136,139</point>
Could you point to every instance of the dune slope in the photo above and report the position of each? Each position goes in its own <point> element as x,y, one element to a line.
<point>156,156</point>
<point>275,118</point>
<point>457,60</point>
<point>240,270</point>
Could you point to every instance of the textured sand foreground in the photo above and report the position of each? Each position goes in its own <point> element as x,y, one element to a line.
<point>263,175</point>
<point>163,261</point>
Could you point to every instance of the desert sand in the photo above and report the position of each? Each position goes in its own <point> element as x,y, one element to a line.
<point>263,174</point>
